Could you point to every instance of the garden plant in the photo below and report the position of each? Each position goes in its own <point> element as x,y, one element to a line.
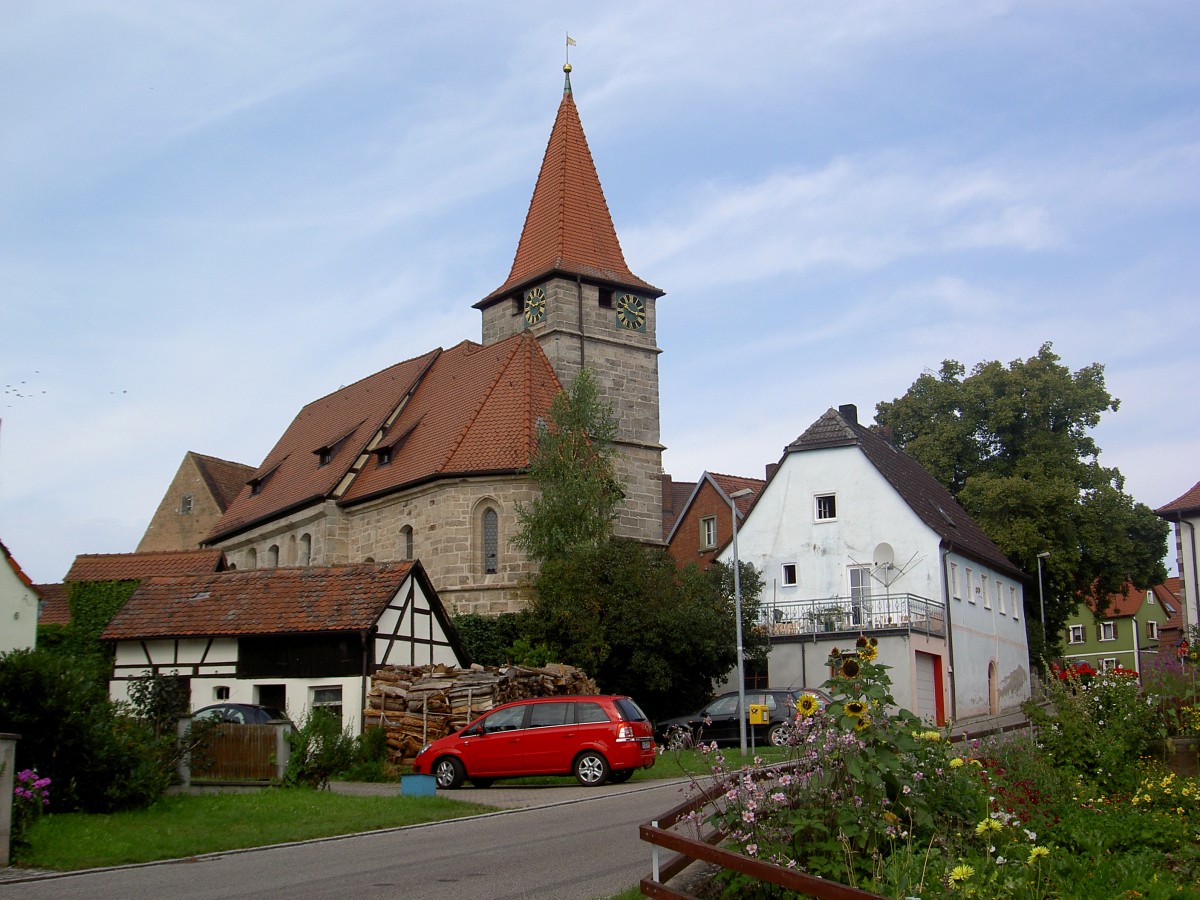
<point>868,796</point>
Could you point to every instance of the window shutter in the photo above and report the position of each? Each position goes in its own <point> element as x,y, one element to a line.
<point>1114,629</point>
<point>1099,632</point>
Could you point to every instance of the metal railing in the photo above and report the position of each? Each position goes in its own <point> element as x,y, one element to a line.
<point>856,614</point>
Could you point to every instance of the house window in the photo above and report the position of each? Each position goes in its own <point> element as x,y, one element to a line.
<point>954,591</point>
<point>328,700</point>
<point>789,573</point>
<point>1108,631</point>
<point>221,692</point>
<point>1108,664</point>
<point>1076,634</point>
<point>406,542</point>
<point>860,593</point>
<point>491,542</point>
<point>983,589</point>
<point>1012,601</point>
<point>1000,597</point>
<point>826,507</point>
<point>385,456</point>
<point>970,585</point>
<point>708,532</point>
<point>324,456</point>
<point>185,505</point>
<point>273,556</point>
<point>305,556</point>
<point>1152,630</point>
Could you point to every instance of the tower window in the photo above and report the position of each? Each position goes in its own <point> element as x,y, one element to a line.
<point>185,505</point>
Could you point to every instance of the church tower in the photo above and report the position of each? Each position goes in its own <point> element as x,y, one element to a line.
<point>571,288</point>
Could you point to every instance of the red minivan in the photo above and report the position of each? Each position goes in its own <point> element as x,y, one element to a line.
<point>595,738</point>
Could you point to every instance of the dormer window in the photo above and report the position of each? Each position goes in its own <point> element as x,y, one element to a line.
<point>324,456</point>
<point>385,456</point>
<point>255,487</point>
<point>185,505</point>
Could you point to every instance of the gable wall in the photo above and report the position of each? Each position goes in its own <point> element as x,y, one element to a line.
<point>685,543</point>
<point>18,610</point>
<point>171,529</point>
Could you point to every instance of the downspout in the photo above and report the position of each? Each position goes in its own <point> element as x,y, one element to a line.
<point>365,637</point>
<point>949,632</point>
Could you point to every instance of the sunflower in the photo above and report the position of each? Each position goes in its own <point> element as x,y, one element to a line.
<point>854,708</point>
<point>807,705</point>
<point>862,724</point>
<point>850,667</point>
<point>868,652</point>
<point>860,642</point>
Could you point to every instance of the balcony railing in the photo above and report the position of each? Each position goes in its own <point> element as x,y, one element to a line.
<point>854,614</point>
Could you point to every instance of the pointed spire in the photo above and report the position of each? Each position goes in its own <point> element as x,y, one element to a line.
<point>568,228</point>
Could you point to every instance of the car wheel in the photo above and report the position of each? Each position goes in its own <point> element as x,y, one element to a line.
<point>620,777</point>
<point>779,735</point>
<point>483,782</point>
<point>449,772</point>
<point>591,768</point>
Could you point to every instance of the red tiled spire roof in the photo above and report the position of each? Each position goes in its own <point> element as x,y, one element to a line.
<point>568,228</point>
<point>468,410</point>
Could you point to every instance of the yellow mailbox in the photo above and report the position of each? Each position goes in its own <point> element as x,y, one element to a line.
<point>759,714</point>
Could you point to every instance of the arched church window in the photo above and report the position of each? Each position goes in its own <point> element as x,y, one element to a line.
<point>406,542</point>
<point>305,557</point>
<point>491,542</point>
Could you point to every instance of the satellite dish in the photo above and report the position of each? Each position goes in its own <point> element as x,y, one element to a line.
<point>884,555</point>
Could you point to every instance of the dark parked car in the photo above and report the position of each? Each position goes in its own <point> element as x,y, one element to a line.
<point>718,721</point>
<point>594,738</point>
<point>239,714</point>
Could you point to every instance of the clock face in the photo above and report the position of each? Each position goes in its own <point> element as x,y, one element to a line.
<point>631,312</point>
<point>535,305</point>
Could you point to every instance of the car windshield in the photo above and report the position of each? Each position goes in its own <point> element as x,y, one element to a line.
<point>630,711</point>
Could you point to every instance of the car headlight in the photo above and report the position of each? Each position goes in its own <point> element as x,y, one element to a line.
<point>423,749</point>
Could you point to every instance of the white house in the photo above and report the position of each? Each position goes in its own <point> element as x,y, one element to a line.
<point>291,638</point>
<point>1184,511</point>
<point>854,537</point>
<point>18,605</point>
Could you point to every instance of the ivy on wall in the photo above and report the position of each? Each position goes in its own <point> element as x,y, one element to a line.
<point>93,605</point>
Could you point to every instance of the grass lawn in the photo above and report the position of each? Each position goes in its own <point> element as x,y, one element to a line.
<point>184,826</point>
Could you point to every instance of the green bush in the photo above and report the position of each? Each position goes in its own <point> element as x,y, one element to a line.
<point>98,758</point>
<point>320,749</point>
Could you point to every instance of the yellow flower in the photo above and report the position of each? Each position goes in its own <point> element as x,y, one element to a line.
<point>807,704</point>
<point>1037,853</point>
<point>854,708</point>
<point>988,825</point>
<point>863,724</point>
<point>868,653</point>
<point>956,763</point>
<point>961,872</point>
<point>850,667</point>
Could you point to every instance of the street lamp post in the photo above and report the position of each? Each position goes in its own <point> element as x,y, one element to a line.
<point>737,612</point>
<point>1042,598</point>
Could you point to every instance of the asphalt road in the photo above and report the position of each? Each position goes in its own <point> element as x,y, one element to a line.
<point>577,843</point>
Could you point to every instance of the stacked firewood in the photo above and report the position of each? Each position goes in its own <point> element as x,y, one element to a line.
<point>419,704</point>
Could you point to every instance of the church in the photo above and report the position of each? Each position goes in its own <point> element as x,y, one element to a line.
<point>427,459</point>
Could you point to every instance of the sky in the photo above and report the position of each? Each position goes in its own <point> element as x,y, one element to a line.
<point>214,212</point>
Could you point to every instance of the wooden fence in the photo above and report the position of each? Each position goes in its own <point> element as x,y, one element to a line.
<point>670,832</point>
<point>245,753</point>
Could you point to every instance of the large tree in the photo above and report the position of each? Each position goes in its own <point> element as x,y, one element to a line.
<point>618,609</point>
<point>1013,444</point>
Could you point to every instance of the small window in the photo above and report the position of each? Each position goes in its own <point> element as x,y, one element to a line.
<point>385,456</point>
<point>789,573</point>
<point>1152,630</point>
<point>987,598</point>
<point>273,556</point>
<point>708,532</point>
<point>1000,597</point>
<point>1108,631</point>
<point>305,556</point>
<point>954,591</point>
<point>1076,634</point>
<point>406,542</point>
<point>221,692</point>
<point>826,507</point>
<point>185,505</point>
<point>1012,600</point>
<point>970,585</point>
<point>324,456</point>
<point>1107,665</point>
<point>328,700</point>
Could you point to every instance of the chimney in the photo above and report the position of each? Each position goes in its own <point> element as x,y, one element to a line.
<point>849,412</point>
<point>772,468</point>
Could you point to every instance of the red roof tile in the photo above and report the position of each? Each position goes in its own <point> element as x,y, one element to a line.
<point>568,227</point>
<point>1121,604</point>
<point>1188,503</point>
<point>225,479</point>
<point>471,409</point>
<point>262,601</point>
<point>54,609</point>
<point>12,564</point>
<point>135,566</point>
<point>731,484</point>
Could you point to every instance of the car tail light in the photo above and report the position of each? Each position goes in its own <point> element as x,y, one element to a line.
<point>625,733</point>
